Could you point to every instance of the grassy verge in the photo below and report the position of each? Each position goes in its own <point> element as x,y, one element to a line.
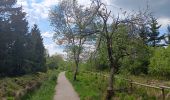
<point>88,86</point>
<point>14,88</point>
<point>93,87</point>
<point>47,89</point>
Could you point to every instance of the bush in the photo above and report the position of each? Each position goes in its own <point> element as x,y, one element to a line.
<point>138,60</point>
<point>159,63</point>
<point>55,61</point>
<point>121,83</point>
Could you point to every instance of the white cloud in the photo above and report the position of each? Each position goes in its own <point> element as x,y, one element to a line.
<point>22,2</point>
<point>36,11</point>
<point>47,34</point>
<point>164,21</point>
<point>53,49</point>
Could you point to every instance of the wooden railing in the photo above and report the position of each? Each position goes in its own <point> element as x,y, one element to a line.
<point>162,88</point>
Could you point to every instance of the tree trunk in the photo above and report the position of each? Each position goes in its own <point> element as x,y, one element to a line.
<point>76,72</point>
<point>110,91</point>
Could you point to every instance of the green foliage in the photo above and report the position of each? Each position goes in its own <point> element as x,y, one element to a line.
<point>100,61</point>
<point>12,39</point>
<point>92,86</point>
<point>159,63</point>
<point>124,96</point>
<point>55,61</point>
<point>37,55</point>
<point>121,83</point>
<point>154,37</point>
<point>21,52</point>
<point>119,44</point>
<point>138,60</point>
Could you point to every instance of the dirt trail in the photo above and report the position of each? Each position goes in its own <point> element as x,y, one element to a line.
<point>64,89</point>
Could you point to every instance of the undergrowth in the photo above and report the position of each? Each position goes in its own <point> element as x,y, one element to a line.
<point>47,89</point>
<point>92,86</point>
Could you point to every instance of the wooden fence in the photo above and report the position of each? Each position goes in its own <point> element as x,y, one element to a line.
<point>161,88</point>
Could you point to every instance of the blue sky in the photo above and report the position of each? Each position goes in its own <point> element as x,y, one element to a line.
<point>37,13</point>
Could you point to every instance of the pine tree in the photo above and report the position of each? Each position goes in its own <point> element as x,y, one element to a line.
<point>143,33</point>
<point>6,36</point>
<point>21,52</point>
<point>38,50</point>
<point>7,3</point>
<point>154,34</point>
<point>19,27</point>
<point>13,31</point>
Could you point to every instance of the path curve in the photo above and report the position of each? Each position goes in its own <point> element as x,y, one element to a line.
<point>64,89</point>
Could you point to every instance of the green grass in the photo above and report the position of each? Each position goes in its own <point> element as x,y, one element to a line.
<point>47,89</point>
<point>93,87</point>
<point>88,86</point>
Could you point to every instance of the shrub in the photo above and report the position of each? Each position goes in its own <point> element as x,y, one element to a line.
<point>55,61</point>
<point>160,62</point>
<point>137,62</point>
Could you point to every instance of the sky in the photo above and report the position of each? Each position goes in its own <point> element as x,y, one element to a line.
<point>37,13</point>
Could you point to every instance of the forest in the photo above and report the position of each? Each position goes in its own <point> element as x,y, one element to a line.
<point>103,49</point>
<point>21,51</point>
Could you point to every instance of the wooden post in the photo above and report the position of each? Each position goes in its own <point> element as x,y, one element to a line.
<point>163,93</point>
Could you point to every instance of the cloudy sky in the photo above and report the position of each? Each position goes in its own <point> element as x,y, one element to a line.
<point>37,12</point>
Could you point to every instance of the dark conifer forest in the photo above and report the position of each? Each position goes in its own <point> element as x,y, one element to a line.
<point>21,51</point>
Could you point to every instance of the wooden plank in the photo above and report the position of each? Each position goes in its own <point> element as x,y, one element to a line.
<point>165,87</point>
<point>146,85</point>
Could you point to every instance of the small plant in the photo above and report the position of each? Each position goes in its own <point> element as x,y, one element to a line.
<point>120,83</point>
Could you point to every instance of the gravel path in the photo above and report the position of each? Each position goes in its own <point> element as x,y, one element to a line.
<point>64,89</point>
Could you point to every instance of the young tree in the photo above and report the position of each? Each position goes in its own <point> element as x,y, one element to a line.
<point>73,25</point>
<point>154,35</point>
<point>115,32</point>
<point>110,32</point>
